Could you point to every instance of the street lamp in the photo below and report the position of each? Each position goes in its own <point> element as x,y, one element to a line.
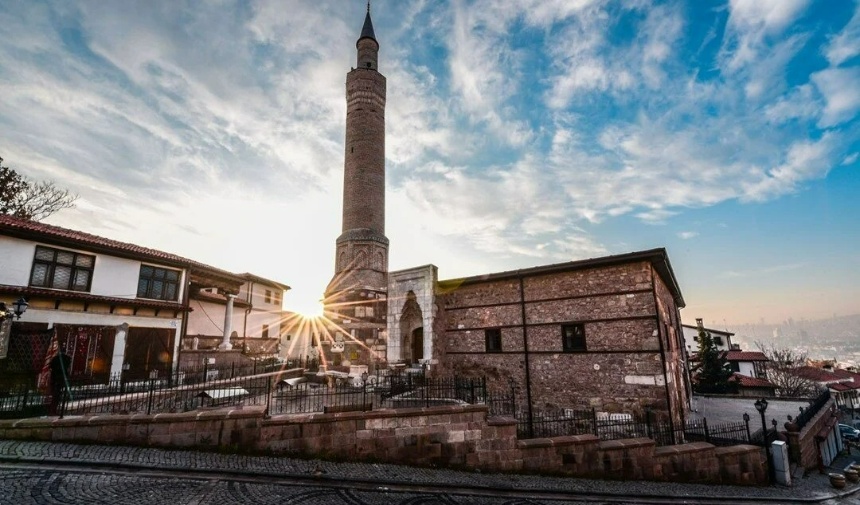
<point>18,307</point>
<point>364,390</point>
<point>761,407</point>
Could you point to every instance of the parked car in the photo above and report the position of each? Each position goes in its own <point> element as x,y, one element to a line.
<point>849,433</point>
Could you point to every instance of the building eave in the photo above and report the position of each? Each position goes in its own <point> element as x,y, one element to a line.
<point>658,258</point>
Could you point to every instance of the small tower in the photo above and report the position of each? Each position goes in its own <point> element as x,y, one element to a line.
<point>355,299</point>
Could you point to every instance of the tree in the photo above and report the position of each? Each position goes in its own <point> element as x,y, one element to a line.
<point>712,370</point>
<point>35,200</point>
<point>784,371</point>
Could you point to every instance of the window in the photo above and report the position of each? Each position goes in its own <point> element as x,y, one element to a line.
<point>573,337</point>
<point>158,283</point>
<point>268,296</point>
<point>718,340</point>
<point>276,297</point>
<point>59,269</point>
<point>265,333</point>
<point>360,311</point>
<point>493,338</point>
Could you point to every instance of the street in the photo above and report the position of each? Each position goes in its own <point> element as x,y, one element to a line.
<point>32,485</point>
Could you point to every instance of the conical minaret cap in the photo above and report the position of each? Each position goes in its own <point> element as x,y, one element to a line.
<point>367,29</point>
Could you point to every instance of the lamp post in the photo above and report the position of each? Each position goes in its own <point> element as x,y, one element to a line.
<point>19,306</point>
<point>761,407</point>
<point>6,317</point>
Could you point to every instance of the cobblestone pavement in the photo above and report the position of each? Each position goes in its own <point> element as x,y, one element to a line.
<point>192,475</point>
<point>38,487</point>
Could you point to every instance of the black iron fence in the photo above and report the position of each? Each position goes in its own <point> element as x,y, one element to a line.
<point>375,392</point>
<point>809,412</point>
<point>21,397</point>
<point>618,426</point>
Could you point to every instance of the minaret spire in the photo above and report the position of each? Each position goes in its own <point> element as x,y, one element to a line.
<point>356,296</point>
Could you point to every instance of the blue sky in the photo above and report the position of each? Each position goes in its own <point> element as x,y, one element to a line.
<point>518,134</point>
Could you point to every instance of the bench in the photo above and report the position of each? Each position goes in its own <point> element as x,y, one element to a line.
<point>350,407</point>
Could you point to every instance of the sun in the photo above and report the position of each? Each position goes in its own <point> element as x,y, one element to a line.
<point>311,309</point>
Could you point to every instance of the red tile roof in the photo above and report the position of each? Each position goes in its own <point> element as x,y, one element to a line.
<point>33,230</point>
<point>822,375</point>
<point>746,356</point>
<point>844,386</point>
<point>752,382</point>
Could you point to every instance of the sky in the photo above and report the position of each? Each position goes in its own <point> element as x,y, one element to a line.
<point>519,133</point>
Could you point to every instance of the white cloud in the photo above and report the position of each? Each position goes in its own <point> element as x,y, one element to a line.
<point>800,103</point>
<point>841,90</point>
<point>751,21</point>
<point>845,45</point>
<point>687,235</point>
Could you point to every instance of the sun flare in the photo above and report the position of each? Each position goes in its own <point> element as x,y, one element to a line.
<point>312,310</point>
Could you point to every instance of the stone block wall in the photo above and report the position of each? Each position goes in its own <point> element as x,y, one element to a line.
<point>632,359</point>
<point>460,437</point>
<point>802,445</point>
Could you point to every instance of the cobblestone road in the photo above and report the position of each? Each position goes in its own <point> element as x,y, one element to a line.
<point>28,486</point>
<point>62,473</point>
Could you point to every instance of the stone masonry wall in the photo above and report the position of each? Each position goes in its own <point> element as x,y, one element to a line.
<point>803,446</point>
<point>445,436</point>
<point>622,368</point>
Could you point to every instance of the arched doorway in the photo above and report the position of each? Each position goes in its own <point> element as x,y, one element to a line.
<point>411,330</point>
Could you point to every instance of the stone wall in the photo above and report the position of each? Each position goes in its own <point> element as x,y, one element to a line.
<point>803,446</point>
<point>459,437</point>
<point>632,360</point>
<point>639,459</point>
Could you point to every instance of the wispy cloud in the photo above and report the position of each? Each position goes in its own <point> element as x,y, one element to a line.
<point>776,269</point>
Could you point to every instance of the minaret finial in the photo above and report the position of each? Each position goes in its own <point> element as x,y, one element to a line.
<point>368,6</point>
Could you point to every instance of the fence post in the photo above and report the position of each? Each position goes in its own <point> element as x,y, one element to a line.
<point>269,381</point>
<point>594,421</point>
<point>255,366</point>
<point>149,403</point>
<point>707,433</point>
<point>205,370</point>
<point>62,400</point>
<point>648,423</point>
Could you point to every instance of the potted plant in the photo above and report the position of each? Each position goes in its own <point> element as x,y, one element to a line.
<point>837,480</point>
<point>852,475</point>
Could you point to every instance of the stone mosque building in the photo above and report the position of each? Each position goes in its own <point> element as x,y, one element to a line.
<point>602,333</point>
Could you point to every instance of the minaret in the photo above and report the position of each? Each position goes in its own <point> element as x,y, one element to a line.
<point>355,298</point>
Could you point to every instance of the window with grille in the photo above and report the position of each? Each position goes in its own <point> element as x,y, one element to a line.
<point>573,337</point>
<point>158,283</point>
<point>493,337</point>
<point>60,269</point>
<point>268,296</point>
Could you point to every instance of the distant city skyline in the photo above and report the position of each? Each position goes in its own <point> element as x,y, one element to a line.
<point>518,134</point>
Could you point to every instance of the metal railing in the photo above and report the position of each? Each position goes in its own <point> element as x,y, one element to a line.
<point>612,427</point>
<point>806,414</point>
<point>382,391</point>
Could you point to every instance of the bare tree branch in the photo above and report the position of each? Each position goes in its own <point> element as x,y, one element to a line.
<point>783,370</point>
<point>35,200</point>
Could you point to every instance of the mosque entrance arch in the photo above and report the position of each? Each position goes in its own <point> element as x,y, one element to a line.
<point>411,330</point>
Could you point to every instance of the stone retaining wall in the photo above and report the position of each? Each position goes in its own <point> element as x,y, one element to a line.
<point>803,447</point>
<point>460,437</point>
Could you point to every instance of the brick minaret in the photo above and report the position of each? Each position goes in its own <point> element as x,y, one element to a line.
<point>355,297</point>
